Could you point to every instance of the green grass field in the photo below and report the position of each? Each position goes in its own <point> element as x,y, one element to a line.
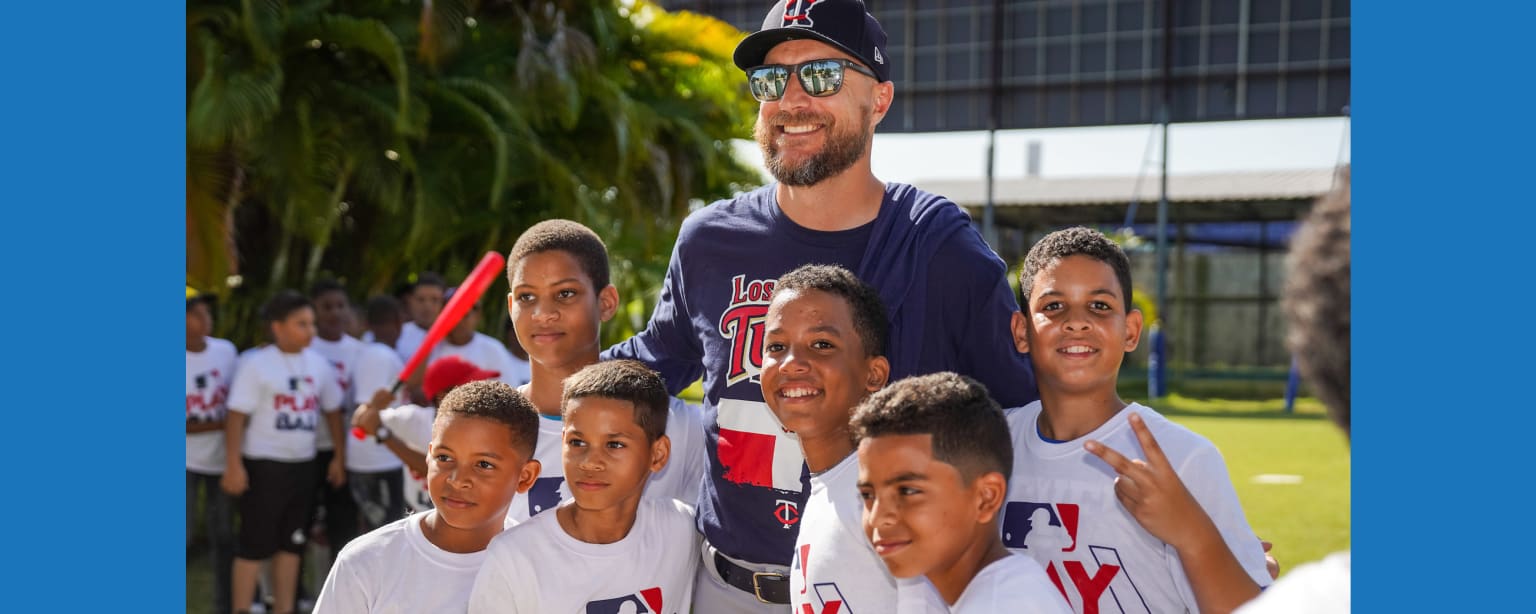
<point>1305,519</point>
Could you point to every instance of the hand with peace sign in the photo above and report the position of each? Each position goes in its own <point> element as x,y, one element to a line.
<point>1156,497</point>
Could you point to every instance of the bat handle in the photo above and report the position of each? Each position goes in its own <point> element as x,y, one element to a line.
<point>357,431</point>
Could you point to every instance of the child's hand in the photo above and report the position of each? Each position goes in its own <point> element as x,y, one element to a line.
<point>1270,563</point>
<point>366,418</point>
<point>234,480</point>
<point>382,399</point>
<point>336,473</point>
<point>1153,493</point>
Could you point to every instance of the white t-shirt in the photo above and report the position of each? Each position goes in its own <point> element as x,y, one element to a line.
<point>395,569</point>
<point>1320,587</point>
<point>342,354</point>
<point>834,566</point>
<point>537,568</point>
<point>1013,584</point>
<point>1062,511</point>
<point>209,373</point>
<point>375,369</point>
<point>679,479</point>
<point>411,337</point>
<point>284,395</point>
<point>412,425</point>
<point>486,352</point>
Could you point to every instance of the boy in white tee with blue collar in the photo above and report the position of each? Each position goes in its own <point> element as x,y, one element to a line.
<point>1164,532</point>
<point>560,295</point>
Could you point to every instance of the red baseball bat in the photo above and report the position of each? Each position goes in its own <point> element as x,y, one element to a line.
<point>463,299</point>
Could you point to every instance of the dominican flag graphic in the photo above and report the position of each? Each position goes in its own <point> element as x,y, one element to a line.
<point>755,449</point>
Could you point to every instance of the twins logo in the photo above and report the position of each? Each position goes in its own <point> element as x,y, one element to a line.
<point>797,13</point>
<point>544,495</point>
<point>1097,575</point>
<point>742,323</point>
<point>786,511</point>
<point>648,600</point>
<point>827,593</point>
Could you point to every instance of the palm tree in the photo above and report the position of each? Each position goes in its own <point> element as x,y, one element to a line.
<point>371,139</point>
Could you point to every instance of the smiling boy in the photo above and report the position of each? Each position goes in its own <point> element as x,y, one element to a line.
<point>933,466</point>
<point>560,296</point>
<point>482,444</point>
<point>609,547</point>
<point>822,354</point>
<point>1163,529</point>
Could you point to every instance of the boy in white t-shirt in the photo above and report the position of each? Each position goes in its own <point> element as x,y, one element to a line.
<point>374,473</point>
<point>823,352</point>
<point>560,296</point>
<point>1164,531</point>
<point>210,368</point>
<point>934,461</point>
<point>278,395</point>
<point>333,512</point>
<point>482,444</point>
<point>608,548</point>
<point>423,302</point>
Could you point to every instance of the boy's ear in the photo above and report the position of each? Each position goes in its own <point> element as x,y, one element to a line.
<point>879,373</point>
<point>991,493</point>
<point>1133,323</point>
<point>528,475</point>
<point>661,450</point>
<point>607,302</point>
<point>511,300</point>
<point>1020,329</point>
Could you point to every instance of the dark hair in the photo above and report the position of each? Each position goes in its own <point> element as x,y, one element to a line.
<point>326,285</point>
<point>968,428</point>
<point>384,309</point>
<point>428,278</point>
<point>1316,300</point>
<point>566,236</point>
<point>622,380</point>
<point>282,304</point>
<point>1075,241</point>
<point>495,400</point>
<point>869,318</point>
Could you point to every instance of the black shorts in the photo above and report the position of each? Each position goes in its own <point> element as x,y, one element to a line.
<point>274,509</point>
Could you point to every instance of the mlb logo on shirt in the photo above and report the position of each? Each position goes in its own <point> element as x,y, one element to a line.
<point>544,495</point>
<point>648,600</point>
<point>1051,527</point>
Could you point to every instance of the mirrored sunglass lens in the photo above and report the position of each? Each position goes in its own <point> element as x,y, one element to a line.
<point>822,77</point>
<point>768,83</point>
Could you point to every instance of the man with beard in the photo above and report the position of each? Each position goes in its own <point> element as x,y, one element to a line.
<point>822,74</point>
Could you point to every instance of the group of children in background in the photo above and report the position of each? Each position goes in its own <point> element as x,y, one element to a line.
<point>926,495</point>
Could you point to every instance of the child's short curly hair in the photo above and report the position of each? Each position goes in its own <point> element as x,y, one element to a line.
<point>968,428</point>
<point>1075,241</point>
<point>496,401</point>
<point>566,236</point>
<point>623,380</point>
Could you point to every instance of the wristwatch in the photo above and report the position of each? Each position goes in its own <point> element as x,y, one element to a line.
<point>381,433</point>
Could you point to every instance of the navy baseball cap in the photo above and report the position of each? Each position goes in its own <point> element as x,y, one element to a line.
<point>844,24</point>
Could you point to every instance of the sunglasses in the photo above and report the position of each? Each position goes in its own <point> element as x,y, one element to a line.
<point>817,78</point>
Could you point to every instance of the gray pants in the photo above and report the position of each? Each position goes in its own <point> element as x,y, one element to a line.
<point>379,495</point>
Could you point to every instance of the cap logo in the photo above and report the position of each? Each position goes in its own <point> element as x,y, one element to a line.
<point>797,13</point>
<point>878,59</point>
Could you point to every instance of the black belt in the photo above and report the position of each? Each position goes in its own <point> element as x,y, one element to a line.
<point>768,586</point>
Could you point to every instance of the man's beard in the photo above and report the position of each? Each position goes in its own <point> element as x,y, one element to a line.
<point>841,150</point>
